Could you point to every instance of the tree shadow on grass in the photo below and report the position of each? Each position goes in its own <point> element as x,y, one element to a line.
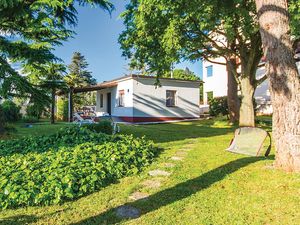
<point>175,193</point>
<point>162,133</point>
<point>18,220</point>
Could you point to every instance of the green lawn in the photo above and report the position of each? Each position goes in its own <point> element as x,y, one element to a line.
<point>210,185</point>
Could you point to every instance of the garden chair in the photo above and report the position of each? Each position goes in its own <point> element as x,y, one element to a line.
<point>78,119</point>
<point>249,141</point>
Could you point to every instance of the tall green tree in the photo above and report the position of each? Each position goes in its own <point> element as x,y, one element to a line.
<point>183,74</point>
<point>49,78</point>
<point>275,30</point>
<point>197,30</point>
<point>80,76</point>
<point>29,30</point>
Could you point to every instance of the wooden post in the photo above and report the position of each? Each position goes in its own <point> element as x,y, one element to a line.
<point>70,104</point>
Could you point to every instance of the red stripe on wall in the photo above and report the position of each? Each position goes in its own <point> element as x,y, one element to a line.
<point>152,119</point>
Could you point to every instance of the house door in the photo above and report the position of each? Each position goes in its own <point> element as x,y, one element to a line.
<point>109,103</point>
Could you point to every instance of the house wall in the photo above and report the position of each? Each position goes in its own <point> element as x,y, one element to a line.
<point>217,83</point>
<point>149,101</point>
<point>116,110</point>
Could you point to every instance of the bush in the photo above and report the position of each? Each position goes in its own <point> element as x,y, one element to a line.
<point>62,109</point>
<point>11,111</point>
<point>42,171</point>
<point>35,110</point>
<point>103,126</point>
<point>30,119</point>
<point>2,120</point>
<point>218,106</point>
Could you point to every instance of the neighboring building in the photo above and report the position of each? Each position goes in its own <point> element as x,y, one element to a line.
<point>137,99</point>
<point>215,85</point>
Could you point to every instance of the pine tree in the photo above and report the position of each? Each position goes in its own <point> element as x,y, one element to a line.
<point>80,76</point>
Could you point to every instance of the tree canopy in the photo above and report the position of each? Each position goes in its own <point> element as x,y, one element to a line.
<point>191,30</point>
<point>29,30</point>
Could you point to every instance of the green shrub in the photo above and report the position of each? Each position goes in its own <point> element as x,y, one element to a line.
<point>30,119</point>
<point>62,109</point>
<point>103,126</point>
<point>35,110</point>
<point>11,111</point>
<point>2,120</point>
<point>218,106</point>
<point>41,171</point>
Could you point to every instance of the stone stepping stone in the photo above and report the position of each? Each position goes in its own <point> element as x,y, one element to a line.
<point>138,196</point>
<point>176,158</point>
<point>128,212</point>
<point>152,183</point>
<point>181,153</point>
<point>169,165</point>
<point>159,173</point>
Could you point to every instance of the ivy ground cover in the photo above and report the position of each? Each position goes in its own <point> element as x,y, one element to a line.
<point>73,162</point>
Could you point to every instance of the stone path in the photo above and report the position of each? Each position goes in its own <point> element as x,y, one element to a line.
<point>157,172</point>
<point>169,165</point>
<point>138,196</point>
<point>130,212</point>
<point>152,183</point>
<point>176,158</point>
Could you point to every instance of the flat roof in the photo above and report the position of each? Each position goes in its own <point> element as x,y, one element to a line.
<point>114,82</point>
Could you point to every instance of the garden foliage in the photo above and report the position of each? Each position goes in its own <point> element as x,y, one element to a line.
<point>11,111</point>
<point>218,106</point>
<point>52,169</point>
<point>103,126</point>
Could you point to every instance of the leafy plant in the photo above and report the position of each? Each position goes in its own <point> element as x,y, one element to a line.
<point>218,106</point>
<point>72,163</point>
<point>103,126</point>
<point>11,111</point>
<point>35,110</point>
<point>2,120</point>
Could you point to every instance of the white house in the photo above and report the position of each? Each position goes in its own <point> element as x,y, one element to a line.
<point>215,85</point>
<point>136,98</point>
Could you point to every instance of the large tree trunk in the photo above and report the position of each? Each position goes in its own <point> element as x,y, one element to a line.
<point>232,94</point>
<point>53,106</point>
<point>247,116</point>
<point>284,81</point>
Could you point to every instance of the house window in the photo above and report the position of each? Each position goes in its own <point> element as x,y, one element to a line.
<point>121,101</point>
<point>170,98</point>
<point>209,71</point>
<point>101,100</point>
<point>210,95</point>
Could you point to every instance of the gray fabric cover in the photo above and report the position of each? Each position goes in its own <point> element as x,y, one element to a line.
<point>249,141</point>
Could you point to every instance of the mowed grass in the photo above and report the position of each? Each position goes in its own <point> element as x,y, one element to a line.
<point>209,186</point>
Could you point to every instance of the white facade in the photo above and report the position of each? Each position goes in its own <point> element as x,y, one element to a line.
<point>144,102</point>
<point>217,85</point>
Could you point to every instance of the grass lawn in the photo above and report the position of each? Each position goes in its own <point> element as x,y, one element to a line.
<point>209,186</point>
<point>41,128</point>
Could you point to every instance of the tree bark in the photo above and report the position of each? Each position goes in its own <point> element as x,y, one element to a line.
<point>247,116</point>
<point>232,93</point>
<point>53,106</point>
<point>284,81</point>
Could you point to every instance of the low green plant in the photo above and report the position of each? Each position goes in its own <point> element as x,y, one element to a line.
<point>62,109</point>
<point>103,126</point>
<point>11,111</point>
<point>35,110</point>
<point>218,106</point>
<point>2,121</point>
<point>74,162</point>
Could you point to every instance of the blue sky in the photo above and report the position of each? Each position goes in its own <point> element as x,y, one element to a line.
<point>97,39</point>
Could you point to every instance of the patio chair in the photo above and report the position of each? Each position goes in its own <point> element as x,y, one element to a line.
<point>250,141</point>
<point>80,120</point>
